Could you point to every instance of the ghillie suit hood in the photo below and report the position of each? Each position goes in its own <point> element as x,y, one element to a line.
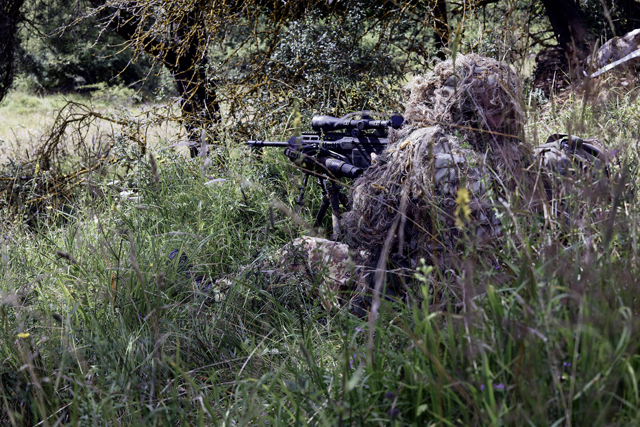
<point>464,130</point>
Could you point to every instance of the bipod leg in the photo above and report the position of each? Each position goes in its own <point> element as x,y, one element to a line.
<point>344,200</point>
<point>325,202</point>
<point>300,201</point>
<point>334,200</point>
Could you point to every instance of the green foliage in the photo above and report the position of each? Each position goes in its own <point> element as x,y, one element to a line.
<point>22,101</point>
<point>61,53</point>
<point>118,334</point>
<point>9,20</point>
<point>317,53</point>
<point>622,18</point>
<point>99,327</point>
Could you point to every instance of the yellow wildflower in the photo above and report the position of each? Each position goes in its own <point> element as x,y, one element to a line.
<point>23,335</point>
<point>463,210</point>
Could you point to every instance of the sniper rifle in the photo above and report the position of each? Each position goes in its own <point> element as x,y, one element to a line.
<point>337,148</point>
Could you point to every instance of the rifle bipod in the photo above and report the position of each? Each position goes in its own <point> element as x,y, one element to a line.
<point>332,196</point>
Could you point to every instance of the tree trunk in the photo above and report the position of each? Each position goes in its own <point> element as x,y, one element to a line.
<point>198,102</point>
<point>569,28</point>
<point>199,106</point>
<point>9,18</point>
<point>441,27</point>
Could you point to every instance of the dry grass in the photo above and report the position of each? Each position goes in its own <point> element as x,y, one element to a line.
<point>25,119</point>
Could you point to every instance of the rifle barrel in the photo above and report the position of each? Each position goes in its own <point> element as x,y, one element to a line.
<point>267,143</point>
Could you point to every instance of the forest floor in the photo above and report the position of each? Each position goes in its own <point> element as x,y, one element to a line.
<point>99,327</point>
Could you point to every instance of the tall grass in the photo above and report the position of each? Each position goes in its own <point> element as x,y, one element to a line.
<point>99,327</point>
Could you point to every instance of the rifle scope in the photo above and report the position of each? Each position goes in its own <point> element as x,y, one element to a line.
<point>329,123</point>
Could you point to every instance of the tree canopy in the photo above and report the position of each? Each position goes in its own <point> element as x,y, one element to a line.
<point>262,56</point>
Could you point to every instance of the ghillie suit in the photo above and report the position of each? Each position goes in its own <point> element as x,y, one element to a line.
<point>614,66</point>
<point>321,268</point>
<point>460,153</point>
<point>326,266</point>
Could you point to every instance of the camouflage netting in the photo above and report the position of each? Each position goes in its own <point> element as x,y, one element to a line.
<point>464,127</point>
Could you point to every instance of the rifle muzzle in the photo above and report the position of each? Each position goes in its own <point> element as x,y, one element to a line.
<point>340,168</point>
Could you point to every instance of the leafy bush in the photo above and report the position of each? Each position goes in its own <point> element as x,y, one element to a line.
<point>320,64</point>
<point>57,56</point>
<point>319,55</point>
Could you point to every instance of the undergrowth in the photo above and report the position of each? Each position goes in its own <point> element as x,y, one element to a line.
<point>100,327</point>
